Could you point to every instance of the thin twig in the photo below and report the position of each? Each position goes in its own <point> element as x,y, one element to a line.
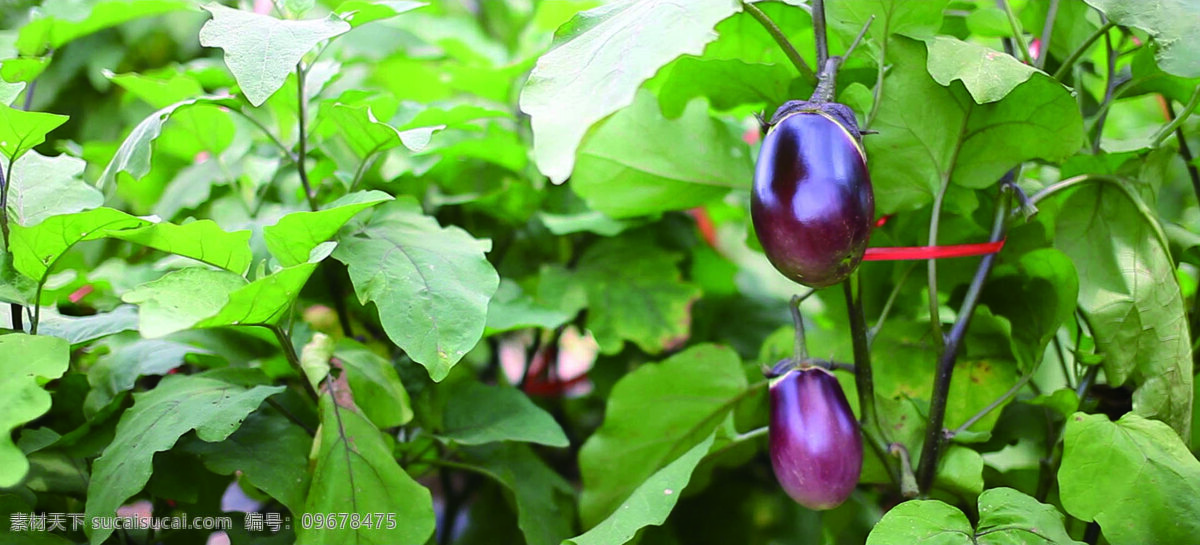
<point>788,49</point>
<point>800,351</point>
<point>858,39</point>
<point>1176,122</point>
<point>302,153</point>
<point>289,352</point>
<point>1065,68</point>
<point>1110,86</point>
<point>1018,34</point>
<point>1047,34</point>
<point>822,39</point>
<point>992,406</point>
<point>887,306</point>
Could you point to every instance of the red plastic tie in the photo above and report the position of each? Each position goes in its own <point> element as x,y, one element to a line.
<point>899,253</point>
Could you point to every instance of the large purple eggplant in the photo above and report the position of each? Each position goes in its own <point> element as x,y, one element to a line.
<point>812,204</point>
<point>816,447</point>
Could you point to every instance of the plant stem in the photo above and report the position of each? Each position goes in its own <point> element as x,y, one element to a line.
<point>995,403</point>
<point>1047,34</point>
<point>289,352</point>
<point>822,39</point>
<point>1185,153</point>
<point>935,435</point>
<point>935,320</point>
<point>887,306</point>
<point>800,352</point>
<point>908,482</point>
<point>805,71</point>
<point>1176,124</point>
<point>1018,34</point>
<point>302,153</point>
<point>863,380</point>
<point>859,37</point>
<point>1065,68</point>
<point>14,309</point>
<point>1110,86</point>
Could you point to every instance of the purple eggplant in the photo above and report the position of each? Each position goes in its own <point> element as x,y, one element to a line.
<point>816,447</point>
<point>812,203</point>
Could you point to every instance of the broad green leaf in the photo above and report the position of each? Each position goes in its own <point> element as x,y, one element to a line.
<point>23,69</point>
<point>1147,77</point>
<point>931,135</point>
<point>1131,299</point>
<point>654,415</point>
<point>294,236</point>
<point>913,19</point>
<point>361,12</point>
<point>180,299</point>
<point>58,22</point>
<point>545,501</point>
<point>1006,517</point>
<point>960,471</point>
<point>159,91</point>
<point>1175,25</point>
<point>35,249</point>
<point>989,75</point>
<point>202,240</point>
<point>315,358</point>
<point>511,308</point>
<point>261,50</point>
<point>134,154</point>
<point>48,186</point>
<point>29,362</point>
<point>639,163</point>
<point>648,504</point>
<point>376,386</point>
<point>635,293</point>
<point>726,83</point>
<point>264,301</point>
<point>478,414</point>
<point>367,136</point>
<point>355,467</point>
<point>269,451</point>
<point>79,330</point>
<point>213,403</point>
<point>590,222</point>
<point>21,131</point>
<point>1134,477</point>
<point>600,59</point>
<point>1037,295</point>
<point>119,370</point>
<point>431,284</point>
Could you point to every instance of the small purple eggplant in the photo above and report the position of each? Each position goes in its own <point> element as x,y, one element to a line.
<point>816,447</point>
<point>812,203</point>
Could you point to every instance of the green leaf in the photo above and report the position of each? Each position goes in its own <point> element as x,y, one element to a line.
<point>212,403</point>
<point>1133,476</point>
<point>639,163</point>
<point>180,299</point>
<point>1037,295</point>
<point>361,12</point>
<point>21,131</point>
<point>650,503</point>
<point>1006,517</point>
<point>355,471</point>
<point>294,236</point>
<point>134,154</point>
<point>600,59</point>
<point>367,136</point>
<point>159,91</point>
<point>635,292</point>
<point>930,135</point>
<point>478,414</point>
<point>48,186</point>
<point>376,386</point>
<point>431,284</point>
<point>1175,26</point>
<point>61,21</point>
<point>35,249</point>
<point>260,50</point>
<point>545,501</point>
<point>29,361</point>
<point>79,330</point>
<point>511,308</point>
<point>726,83</point>
<point>23,69</point>
<point>960,471</point>
<point>913,19</point>
<point>10,91</point>
<point>119,370</point>
<point>639,436</point>
<point>1132,301</point>
<point>269,451</point>
<point>202,240</point>
<point>264,301</point>
<point>989,75</point>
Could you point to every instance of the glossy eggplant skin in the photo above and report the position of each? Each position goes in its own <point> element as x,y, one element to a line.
<point>812,203</point>
<point>816,447</point>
